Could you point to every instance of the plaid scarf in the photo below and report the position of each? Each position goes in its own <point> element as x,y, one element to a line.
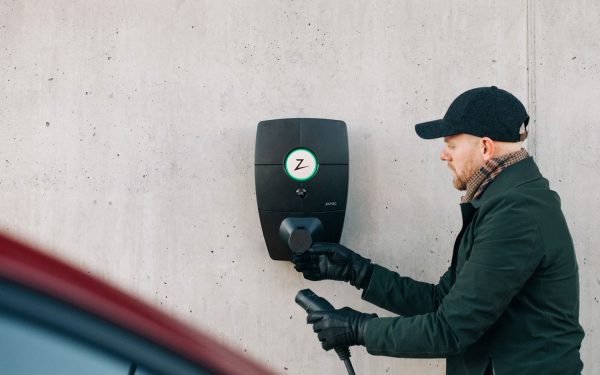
<point>486,174</point>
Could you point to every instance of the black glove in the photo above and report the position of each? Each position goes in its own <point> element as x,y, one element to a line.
<point>333,261</point>
<point>343,327</point>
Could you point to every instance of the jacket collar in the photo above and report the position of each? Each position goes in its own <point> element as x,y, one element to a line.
<point>519,173</point>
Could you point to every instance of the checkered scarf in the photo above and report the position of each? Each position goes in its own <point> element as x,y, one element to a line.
<point>486,174</point>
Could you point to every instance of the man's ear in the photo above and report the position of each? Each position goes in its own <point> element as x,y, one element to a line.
<point>487,148</point>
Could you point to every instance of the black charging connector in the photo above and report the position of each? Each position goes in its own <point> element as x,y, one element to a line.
<point>311,302</point>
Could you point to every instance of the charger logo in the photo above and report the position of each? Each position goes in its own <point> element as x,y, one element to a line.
<point>298,167</point>
<point>301,164</point>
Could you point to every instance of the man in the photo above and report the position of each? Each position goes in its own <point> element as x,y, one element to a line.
<point>509,302</point>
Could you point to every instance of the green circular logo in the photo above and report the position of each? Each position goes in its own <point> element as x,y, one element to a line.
<point>301,164</point>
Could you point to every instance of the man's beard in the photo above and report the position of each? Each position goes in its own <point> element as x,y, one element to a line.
<point>460,181</point>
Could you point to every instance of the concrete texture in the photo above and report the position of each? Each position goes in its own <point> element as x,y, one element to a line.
<point>127,141</point>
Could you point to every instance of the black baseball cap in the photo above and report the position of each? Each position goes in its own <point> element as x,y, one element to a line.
<point>482,112</point>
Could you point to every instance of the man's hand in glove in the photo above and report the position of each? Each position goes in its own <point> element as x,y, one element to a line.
<point>343,327</point>
<point>333,261</point>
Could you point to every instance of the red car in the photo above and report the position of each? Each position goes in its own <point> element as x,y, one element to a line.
<point>55,319</point>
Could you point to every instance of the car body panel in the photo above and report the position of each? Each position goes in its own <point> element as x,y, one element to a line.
<point>26,266</point>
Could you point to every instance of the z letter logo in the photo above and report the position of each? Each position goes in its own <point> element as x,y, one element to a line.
<point>298,167</point>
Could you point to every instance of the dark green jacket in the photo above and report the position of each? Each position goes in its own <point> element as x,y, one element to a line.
<point>510,299</point>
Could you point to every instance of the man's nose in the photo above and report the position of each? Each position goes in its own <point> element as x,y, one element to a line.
<point>444,155</point>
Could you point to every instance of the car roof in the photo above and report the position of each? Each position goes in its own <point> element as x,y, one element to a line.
<point>37,270</point>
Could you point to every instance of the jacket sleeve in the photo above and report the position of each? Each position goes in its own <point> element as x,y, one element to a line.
<point>403,295</point>
<point>505,252</point>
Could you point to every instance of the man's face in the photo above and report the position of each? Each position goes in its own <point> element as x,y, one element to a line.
<point>463,154</point>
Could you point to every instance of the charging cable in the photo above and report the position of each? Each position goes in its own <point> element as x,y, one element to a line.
<point>310,302</point>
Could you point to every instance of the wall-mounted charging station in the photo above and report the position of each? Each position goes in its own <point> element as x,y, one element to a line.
<point>301,177</point>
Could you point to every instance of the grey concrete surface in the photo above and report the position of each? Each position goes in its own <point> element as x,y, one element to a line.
<point>127,142</point>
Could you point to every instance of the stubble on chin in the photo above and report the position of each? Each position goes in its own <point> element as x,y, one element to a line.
<point>460,181</point>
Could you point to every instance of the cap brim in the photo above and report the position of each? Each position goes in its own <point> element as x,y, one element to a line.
<point>434,129</point>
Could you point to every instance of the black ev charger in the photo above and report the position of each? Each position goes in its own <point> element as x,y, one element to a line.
<point>301,177</point>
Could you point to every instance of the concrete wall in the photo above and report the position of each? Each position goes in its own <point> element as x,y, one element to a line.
<point>127,142</point>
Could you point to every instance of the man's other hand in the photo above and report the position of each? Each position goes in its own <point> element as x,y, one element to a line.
<point>343,327</point>
<point>332,261</point>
